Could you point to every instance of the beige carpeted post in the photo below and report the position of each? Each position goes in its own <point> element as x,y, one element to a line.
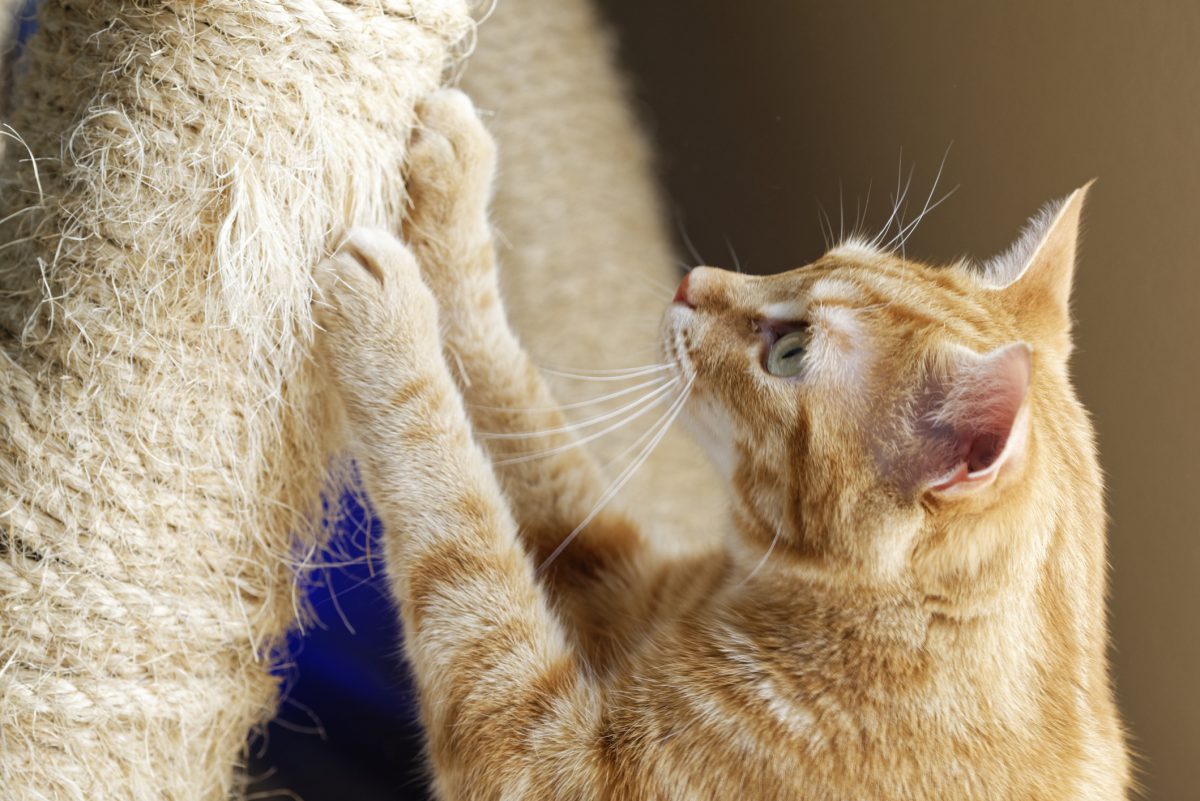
<point>587,266</point>
<point>182,167</point>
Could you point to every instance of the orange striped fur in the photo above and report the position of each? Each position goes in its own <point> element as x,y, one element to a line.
<point>911,601</point>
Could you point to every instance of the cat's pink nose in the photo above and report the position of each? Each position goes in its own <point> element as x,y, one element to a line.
<point>681,294</point>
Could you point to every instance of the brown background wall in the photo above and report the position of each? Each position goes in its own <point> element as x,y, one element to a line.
<point>761,110</point>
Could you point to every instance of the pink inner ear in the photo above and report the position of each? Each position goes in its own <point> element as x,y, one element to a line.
<point>985,449</point>
<point>974,424</point>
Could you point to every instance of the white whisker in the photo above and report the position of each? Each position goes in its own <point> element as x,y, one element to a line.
<point>762,561</point>
<point>866,205</point>
<point>576,404</point>
<point>737,264</point>
<point>906,231</point>
<point>528,457</point>
<point>912,225</point>
<point>664,425</point>
<point>687,240</point>
<point>607,375</point>
<point>826,232</point>
<point>658,286</point>
<point>613,371</point>
<point>841,214</point>
<point>900,196</point>
<point>637,442</point>
<point>591,421</point>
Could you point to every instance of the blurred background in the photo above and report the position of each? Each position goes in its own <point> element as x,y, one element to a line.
<point>763,115</point>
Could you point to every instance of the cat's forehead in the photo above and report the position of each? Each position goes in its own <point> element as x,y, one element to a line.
<point>896,293</point>
<point>846,277</point>
<point>860,275</point>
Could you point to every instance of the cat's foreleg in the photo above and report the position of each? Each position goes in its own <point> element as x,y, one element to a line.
<point>489,657</point>
<point>553,484</point>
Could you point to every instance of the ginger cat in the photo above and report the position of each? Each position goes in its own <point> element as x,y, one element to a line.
<point>911,603</point>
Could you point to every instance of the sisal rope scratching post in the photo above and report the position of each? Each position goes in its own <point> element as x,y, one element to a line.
<point>588,268</point>
<point>162,435</point>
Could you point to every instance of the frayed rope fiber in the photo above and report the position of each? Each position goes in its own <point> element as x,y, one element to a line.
<point>173,172</point>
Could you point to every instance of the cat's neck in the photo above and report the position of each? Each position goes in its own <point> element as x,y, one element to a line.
<point>891,655</point>
<point>796,600</point>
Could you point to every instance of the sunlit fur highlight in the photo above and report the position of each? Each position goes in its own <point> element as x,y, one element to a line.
<point>864,635</point>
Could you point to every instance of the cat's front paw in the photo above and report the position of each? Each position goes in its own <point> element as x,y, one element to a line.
<point>376,315</point>
<point>452,158</point>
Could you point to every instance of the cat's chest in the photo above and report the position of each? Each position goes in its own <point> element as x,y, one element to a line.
<point>824,730</point>
<point>780,748</point>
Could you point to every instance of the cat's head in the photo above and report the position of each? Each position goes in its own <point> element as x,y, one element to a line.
<point>889,422</point>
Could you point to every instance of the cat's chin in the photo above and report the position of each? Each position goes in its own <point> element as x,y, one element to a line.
<point>711,435</point>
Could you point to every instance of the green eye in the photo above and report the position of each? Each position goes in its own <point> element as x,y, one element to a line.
<point>786,356</point>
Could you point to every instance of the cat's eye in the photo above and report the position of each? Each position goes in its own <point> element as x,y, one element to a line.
<point>786,356</point>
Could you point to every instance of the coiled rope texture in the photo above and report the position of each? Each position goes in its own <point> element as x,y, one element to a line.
<point>163,441</point>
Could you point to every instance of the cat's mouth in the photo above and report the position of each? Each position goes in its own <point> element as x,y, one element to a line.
<point>674,341</point>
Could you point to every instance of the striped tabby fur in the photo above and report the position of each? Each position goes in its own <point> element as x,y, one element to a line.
<point>911,603</point>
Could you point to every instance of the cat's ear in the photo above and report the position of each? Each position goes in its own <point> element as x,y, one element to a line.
<point>974,420</point>
<point>1035,274</point>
